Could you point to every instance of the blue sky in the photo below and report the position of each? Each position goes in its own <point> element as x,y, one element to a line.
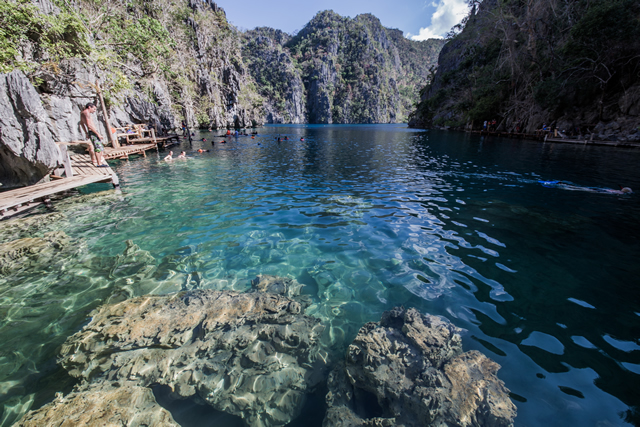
<point>418,19</point>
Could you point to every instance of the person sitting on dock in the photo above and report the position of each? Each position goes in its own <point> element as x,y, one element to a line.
<point>169,157</point>
<point>86,122</point>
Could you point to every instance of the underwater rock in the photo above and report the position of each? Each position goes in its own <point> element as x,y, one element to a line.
<point>276,285</point>
<point>101,404</point>
<point>18,228</point>
<point>253,355</point>
<point>409,370</point>
<point>133,262</point>
<point>24,253</point>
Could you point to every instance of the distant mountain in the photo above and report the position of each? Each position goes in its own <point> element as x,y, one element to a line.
<point>338,70</point>
<point>573,64</point>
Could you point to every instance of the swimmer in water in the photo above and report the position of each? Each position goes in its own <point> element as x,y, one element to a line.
<point>169,157</point>
<point>571,187</point>
<point>182,155</point>
<point>203,140</point>
<point>301,139</point>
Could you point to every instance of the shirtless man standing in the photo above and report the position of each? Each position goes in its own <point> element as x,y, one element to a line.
<point>92,134</point>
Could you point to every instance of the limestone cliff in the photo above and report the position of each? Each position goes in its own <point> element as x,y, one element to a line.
<point>156,63</point>
<point>344,70</point>
<point>573,65</point>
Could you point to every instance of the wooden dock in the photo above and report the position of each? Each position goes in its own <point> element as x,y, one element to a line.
<point>546,137</point>
<point>127,150</point>
<point>80,171</point>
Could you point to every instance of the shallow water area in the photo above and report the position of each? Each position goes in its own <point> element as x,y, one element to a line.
<point>366,218</point>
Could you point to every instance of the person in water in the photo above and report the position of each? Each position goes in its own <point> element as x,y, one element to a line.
<point>182,155</point>
<point>169,157</point>
<point>571,187</point>
<point>301,139</point>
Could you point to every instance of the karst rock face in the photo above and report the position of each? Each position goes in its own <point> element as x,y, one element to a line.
<point>409,370</point>
<point>27,147</point>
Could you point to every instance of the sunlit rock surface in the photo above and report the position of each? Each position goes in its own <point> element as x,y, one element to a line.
<point>254,354</point>
<point>409,370</point>
<point>102,404</point>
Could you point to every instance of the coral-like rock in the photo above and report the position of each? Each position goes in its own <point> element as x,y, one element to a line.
<point>102,404</point>
<point>23,253</point>
<point>248,354</point>
<point>409,370</point>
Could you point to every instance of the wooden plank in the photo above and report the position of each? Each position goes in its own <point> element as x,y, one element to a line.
<point>21,196</point>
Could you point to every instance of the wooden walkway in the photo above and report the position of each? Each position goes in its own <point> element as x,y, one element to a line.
<point>127,150</point>
<point>548,138</point>
<point>84,172</point>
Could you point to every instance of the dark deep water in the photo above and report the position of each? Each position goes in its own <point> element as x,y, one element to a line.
<point>544,280</point>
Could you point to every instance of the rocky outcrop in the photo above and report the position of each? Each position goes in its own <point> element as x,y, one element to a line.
<point>254,355</point>
<point>409,370</point>
<point>27,147</point>
<point>102,404</point>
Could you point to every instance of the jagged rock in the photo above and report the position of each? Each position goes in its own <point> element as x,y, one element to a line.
<point>409,370</point>
<point>248,354</point>
<point>31,251</point>
<point>27,148</point>
<point>101,404</point>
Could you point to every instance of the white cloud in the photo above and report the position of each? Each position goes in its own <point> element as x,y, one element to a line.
<point>448,13</point>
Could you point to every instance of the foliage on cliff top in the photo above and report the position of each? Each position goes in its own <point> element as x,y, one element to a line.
<point>522,61</point>
<point>57,36</point>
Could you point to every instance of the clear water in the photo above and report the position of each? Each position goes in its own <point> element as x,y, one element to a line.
<point>368,217</point>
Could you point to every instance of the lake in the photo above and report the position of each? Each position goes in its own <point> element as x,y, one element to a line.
<point>544,279</point>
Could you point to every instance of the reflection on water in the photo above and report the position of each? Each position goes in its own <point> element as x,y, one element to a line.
<point>543,280</point>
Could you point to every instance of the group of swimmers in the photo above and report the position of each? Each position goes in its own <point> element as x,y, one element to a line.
<point>169,157</point>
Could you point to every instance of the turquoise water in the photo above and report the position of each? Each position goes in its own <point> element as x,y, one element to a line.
<point>367,217</point>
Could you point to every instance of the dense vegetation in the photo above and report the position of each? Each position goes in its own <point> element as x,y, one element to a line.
<point>527,62</point>
<point>187,47</point>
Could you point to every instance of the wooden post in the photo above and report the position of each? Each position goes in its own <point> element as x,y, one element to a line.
<point>114,141</point>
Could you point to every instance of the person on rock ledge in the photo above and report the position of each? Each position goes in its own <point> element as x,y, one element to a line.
<point>86,122</point>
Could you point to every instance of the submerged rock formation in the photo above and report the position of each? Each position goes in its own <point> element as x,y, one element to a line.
<point>102,404</point>
<point>31,251</point>
<point>254,355</point>
<point>409,370</point>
